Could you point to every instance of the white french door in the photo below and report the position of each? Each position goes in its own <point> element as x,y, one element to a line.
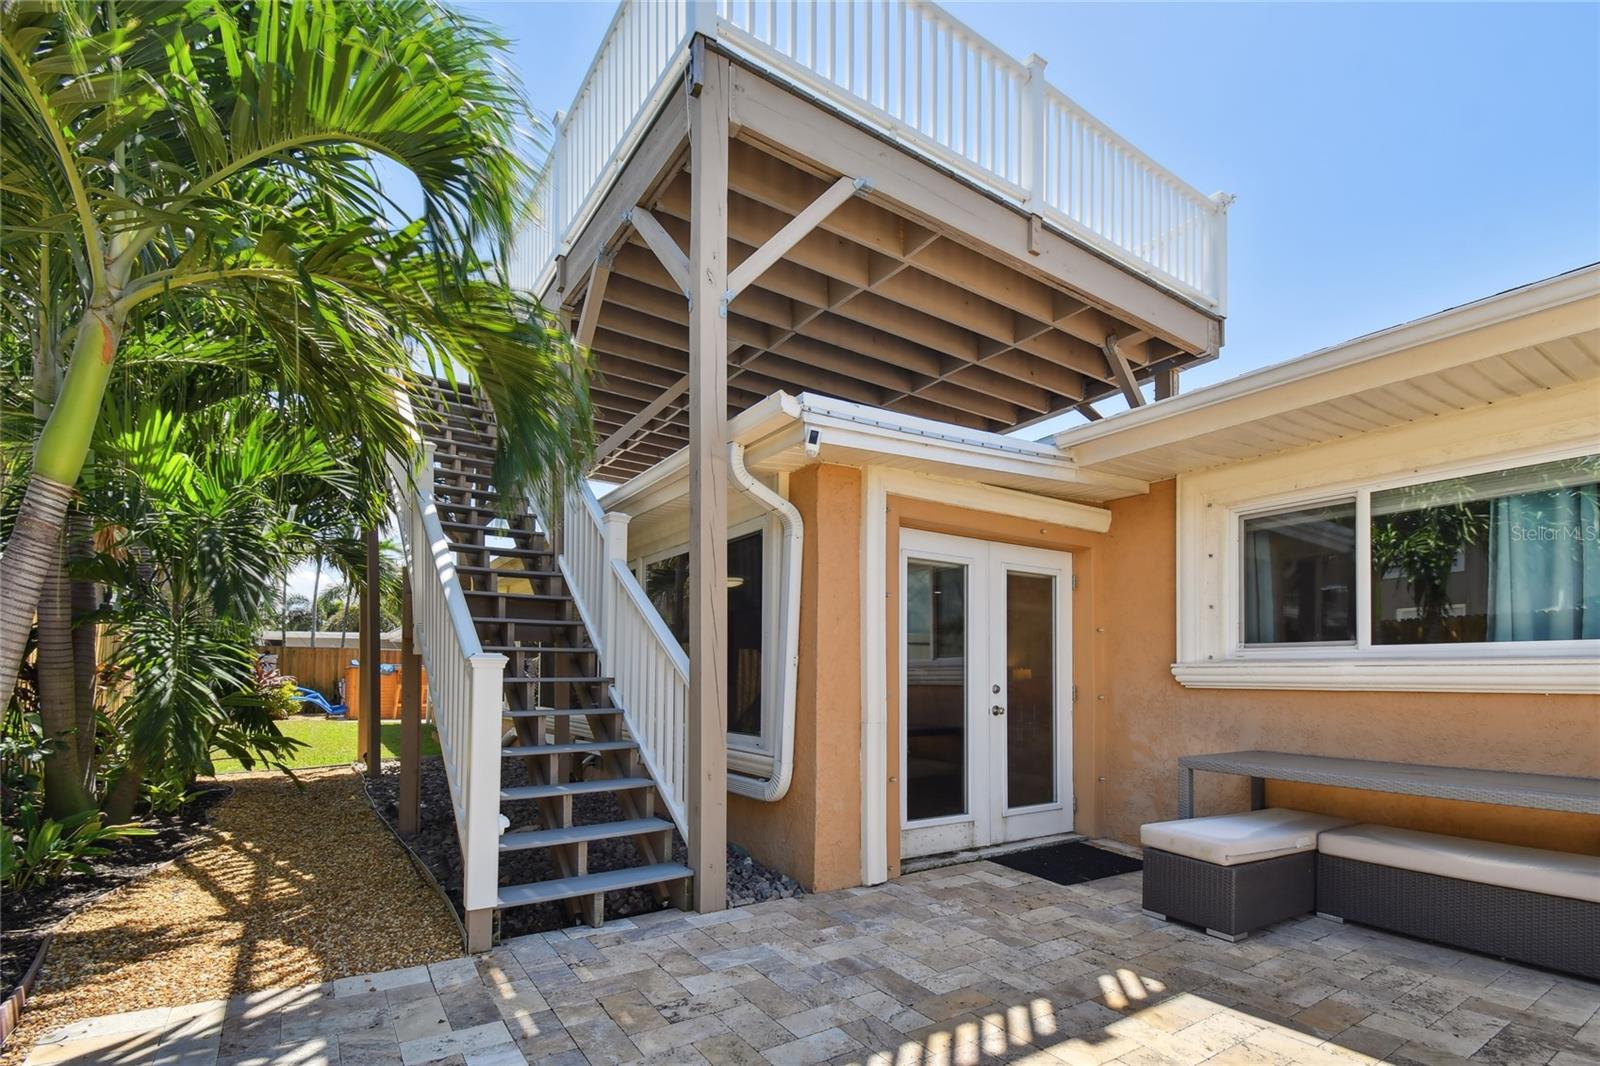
<point>985,693</point>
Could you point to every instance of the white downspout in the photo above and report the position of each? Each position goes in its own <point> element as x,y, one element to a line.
<point>772,789</point>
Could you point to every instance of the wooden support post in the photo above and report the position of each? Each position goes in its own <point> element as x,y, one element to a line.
<point>410,714</point>
<point>1166,383</point>
<point>708,481</point>
<point>371,659</point>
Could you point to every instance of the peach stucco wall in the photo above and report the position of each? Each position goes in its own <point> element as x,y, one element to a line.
<point>1132,721</point>
<point>814,832</point>
<point>1146,720</point>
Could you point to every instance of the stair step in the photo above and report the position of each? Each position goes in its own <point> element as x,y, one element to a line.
<point>576,747</point>
<point>471,489</point>
<point>502,620</point>
<point>533,649</point>
<point>502,571</point>
<point>589,884</point>
<point>559,680</point>
<point>474,476</point>
<point>526,597</point>
<point>574,788</point>
<point>558,712</point>
<point>458,445</point>
<point>492,531</point>
<point>501,549</point>
<point>576,834</point>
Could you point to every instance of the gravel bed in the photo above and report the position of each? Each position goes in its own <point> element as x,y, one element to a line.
<point>436,845</point>
<point>294,882</point>
<point>28,918</point>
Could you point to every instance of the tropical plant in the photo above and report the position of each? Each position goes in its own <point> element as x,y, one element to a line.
<point>206,170</point>
<point>277,691</point>
<point>36,850</point>
<point>199,519</point>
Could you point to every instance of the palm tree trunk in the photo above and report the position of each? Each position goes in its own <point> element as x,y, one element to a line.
<point>85,600</point>
<point>316,608</point>
<point>118,806</point>
<point>58,460</point>
<point>32,552</point>
<point>58,719</point>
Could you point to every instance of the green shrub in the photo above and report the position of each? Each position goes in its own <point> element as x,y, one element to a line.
<point>38,850</point>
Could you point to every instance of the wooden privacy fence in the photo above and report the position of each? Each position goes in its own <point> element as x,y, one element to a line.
<point>322,668</point>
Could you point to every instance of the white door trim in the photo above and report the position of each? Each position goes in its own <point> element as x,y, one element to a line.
<point>876,484</point>
<point>986,819</point>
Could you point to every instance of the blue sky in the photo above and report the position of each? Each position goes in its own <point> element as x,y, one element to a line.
<point>1389,160</point>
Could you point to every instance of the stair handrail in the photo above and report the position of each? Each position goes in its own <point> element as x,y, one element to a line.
<point>465,683</point>
<point>649,669</point>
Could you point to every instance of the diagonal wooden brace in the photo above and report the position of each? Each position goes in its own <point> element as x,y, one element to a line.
<point>661,243</point>
<point>1122,373</point>
<point>778,245</point>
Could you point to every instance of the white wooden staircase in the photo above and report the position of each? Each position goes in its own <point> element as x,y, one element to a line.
<point>554,712</point>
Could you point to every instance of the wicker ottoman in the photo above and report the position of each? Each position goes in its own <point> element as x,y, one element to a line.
<point>1233,873</point>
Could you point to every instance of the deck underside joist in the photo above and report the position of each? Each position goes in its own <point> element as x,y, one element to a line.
<point>879,303</point>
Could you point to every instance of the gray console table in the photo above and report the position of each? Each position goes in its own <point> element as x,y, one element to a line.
<point>1543,791</point>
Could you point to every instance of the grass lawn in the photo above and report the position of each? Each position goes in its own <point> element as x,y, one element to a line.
<point>333,743</point>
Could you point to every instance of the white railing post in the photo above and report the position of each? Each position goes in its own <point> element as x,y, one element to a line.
<point>481,845</point>
<point>558,214</point>
<point>1218,286</point>
<point>425,475</point>
<point>1033,126</point>
<point>702,18</point>
<point>615,532</point>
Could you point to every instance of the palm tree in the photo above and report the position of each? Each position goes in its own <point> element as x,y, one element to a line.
<point>199,516</point>
<point>207,169</point>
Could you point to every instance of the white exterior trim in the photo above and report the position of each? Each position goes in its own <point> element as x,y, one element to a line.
<point>874,679</point>
<point>1548,676</point>
<point>1337,370</point>
<point>1211,504</point>
<point>877,485</point>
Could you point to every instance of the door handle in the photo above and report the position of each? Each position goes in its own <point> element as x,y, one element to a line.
<point>997,710</point>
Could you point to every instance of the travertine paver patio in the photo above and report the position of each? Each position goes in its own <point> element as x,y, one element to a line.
<point>975,963</point>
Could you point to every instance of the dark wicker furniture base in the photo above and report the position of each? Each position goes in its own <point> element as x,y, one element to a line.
<point>1554,932</point>
<point>1232,900</point>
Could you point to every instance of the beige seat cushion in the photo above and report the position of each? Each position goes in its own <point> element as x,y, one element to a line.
<point>1228,839</point>
<point>1554,873</point>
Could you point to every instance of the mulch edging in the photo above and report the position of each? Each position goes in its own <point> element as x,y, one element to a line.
<point>30,921</point>
<point>11,1009</point>
<point>416,860</point>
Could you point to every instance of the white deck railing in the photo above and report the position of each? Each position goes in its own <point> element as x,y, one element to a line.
<point>636,648</point>
<point>465,691</point>
<point>911,69</point>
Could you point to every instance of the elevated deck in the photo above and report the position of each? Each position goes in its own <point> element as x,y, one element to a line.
<point>914,220</point>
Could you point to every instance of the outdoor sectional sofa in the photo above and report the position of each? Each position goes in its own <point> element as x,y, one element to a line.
<point>1233,874</point>
<point>1528,904</point>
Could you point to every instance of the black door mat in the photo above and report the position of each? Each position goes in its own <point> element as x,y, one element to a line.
<point>1072,863</point>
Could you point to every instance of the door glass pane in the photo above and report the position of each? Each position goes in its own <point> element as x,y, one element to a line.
<point>1030,689</point>
<point>936,689</point>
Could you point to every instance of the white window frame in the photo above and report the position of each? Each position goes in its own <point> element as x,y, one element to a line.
<point>1480,666</point>
<point>757,747</point>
